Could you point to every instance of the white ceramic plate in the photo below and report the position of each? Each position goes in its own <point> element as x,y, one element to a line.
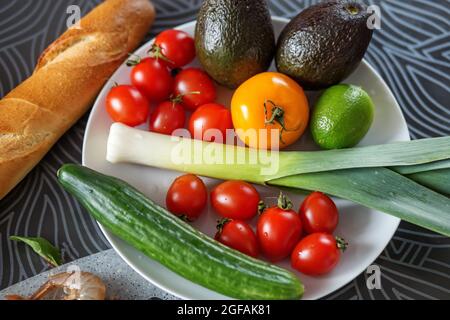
<point>367,231</point>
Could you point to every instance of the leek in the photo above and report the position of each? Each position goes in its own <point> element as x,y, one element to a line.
<point>399,154</point>
<point>437,165</point>
<point>127,144</point>
<point>437,180</point>
<point>434,175</point>
<point>357,174</point>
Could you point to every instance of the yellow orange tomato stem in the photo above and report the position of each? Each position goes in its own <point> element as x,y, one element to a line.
<point>277,116</point>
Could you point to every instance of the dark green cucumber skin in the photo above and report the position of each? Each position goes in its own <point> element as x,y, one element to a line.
<point>151,229</point>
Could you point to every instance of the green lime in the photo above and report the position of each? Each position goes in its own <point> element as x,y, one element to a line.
<point>342,117</point>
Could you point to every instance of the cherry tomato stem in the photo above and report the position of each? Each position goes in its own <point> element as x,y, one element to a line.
<point>157,53</point>
<point>341,243</point>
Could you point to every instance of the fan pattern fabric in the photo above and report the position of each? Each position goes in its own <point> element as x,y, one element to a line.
<point>411,52</point>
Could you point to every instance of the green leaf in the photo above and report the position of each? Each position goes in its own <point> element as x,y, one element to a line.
<point>43,248</point>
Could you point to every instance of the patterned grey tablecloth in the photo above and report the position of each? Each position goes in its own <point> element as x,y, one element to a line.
<point>411,52</point>
<point>120,280</point>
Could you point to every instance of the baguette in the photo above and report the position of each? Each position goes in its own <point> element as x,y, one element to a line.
<point>67,78</point>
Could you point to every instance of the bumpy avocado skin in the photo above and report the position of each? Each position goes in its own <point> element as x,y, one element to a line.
<point>324,43</point>
<point>234,39</point>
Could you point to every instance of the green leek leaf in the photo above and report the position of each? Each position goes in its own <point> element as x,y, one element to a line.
<point>437,180</point>
<point>436,165</point>
<point>398,154</point>
<point>359,174</point>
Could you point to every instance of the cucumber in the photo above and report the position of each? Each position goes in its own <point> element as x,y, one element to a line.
<point>154,231</point>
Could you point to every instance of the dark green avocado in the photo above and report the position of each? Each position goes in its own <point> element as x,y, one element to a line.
<point>234,39</point>
<point>324,44</point>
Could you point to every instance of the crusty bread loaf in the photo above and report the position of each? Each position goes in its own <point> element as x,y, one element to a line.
<point>68,76</point>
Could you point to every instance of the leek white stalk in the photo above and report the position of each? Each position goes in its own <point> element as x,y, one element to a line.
<point>215,160</point>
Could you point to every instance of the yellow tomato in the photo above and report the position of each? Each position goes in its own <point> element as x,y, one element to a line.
<point>270,110</point>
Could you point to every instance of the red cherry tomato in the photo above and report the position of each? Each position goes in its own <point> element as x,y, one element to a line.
<point>152,77</point>
<point>187,197</point>
<point>177,46</point>
<point>210,123</point>
<point>317,254</point>
<point>278,230</point>
<point>319,213</point>
<point>167,117</point>
<point>235,200</point>
<point>196,88</point>
<point>239,236</point>
<point>127,105</point>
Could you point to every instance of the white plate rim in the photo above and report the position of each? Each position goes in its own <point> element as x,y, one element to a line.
<point>109,236</point>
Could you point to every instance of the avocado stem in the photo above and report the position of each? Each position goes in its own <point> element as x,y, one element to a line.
<point>352,9</point>
<point>341,244</point>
